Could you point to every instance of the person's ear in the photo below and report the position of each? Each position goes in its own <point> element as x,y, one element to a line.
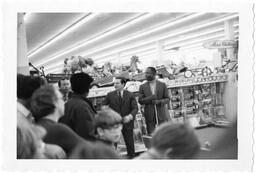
<point>100,131</point>
<point>168,153</point>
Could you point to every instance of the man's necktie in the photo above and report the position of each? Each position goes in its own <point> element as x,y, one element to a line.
<point>119,96</point>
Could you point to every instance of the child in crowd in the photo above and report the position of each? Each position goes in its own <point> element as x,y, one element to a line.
<point>108,126</point>
<point>172,141</point>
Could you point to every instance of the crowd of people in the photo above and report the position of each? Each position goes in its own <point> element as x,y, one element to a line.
<point>56,123</point>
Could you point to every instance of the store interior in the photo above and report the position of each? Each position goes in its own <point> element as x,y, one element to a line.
<point>195,55</point>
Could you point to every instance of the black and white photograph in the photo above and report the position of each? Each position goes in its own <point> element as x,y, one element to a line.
<point>149,89</point>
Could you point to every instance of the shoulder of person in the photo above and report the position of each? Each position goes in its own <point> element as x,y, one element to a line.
<point>144,84</point>
<point>129,93</point>
<point>111,92</point>
<point>76,102</point>
<point>160,83</point>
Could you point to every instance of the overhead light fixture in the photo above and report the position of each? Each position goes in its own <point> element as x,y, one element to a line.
<point>59,69</point>
<point>193,36</point>
<point>194,47</point>
<point>135,36</point>
<point>184,38</point>
<point>184,45</point>
<point>129,38</point>
<point>141,54</point>
<point>64,33</point>
<point>227,17</point>
<point>115,29</point>
<point>127,54</point>
<point>165,36</point>
<point>130,53</point>
<point>196,40</point>
<point>124,58</point>
<point>54,66</point>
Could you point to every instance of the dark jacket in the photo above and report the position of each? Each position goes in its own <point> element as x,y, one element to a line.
<point>79,116</point>
<point>60,135</point>
<point>145,95</point>
<point>128,105</point>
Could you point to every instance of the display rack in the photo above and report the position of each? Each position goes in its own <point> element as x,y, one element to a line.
<point>197,100</point>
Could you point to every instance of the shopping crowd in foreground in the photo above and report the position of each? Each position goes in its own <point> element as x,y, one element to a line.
<point>55,124</point>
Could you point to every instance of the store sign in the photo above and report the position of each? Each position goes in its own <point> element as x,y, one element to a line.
<point>196,80</point>
<point>216,44</point>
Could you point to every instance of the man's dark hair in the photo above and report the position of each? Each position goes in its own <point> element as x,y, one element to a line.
<point>81,83</point>
<point>27,85</point>
<point>152,69</point>
<point>43,102</point>
<point>123,79</point>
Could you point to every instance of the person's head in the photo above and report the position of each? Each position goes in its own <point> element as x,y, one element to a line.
<point>29,139</point>
<point>108,125</point>
<point>93,150</point>
<point>150,73</point>
<point>175,141</point>
<point>119,83</point>
<point>64,84</point>
<point>27,85</point>
<point>81,83</point>
<point>45,101</point>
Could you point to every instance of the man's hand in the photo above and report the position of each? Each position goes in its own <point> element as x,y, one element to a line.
<point>127,118</point>
<point>155,102</point>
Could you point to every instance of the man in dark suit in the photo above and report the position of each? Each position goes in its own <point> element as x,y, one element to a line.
<point>124,103</point>
<point>154,95</point>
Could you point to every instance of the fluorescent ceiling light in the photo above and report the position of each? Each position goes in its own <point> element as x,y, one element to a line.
<point>128,57</point>
<point>127,54</point>
<point>129,38</point>
<point>169,35</point>
<point>184,38</point>
<point>196,40</point>
<point>54,65</point>
<point>147,32</point>
<point>62,34</point>
<point>54,70</point>
<point>196,35</point>
<point>192,48</point>
<point>141,56</point>
<point>138,52</point>
<point>165,36</point>
<point>115,29</point>
<point>150,54</point>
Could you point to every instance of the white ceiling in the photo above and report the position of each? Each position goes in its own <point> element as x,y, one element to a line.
<point>52,37</point>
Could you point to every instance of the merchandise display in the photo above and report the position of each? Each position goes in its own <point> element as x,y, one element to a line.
<point>198,101</point>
